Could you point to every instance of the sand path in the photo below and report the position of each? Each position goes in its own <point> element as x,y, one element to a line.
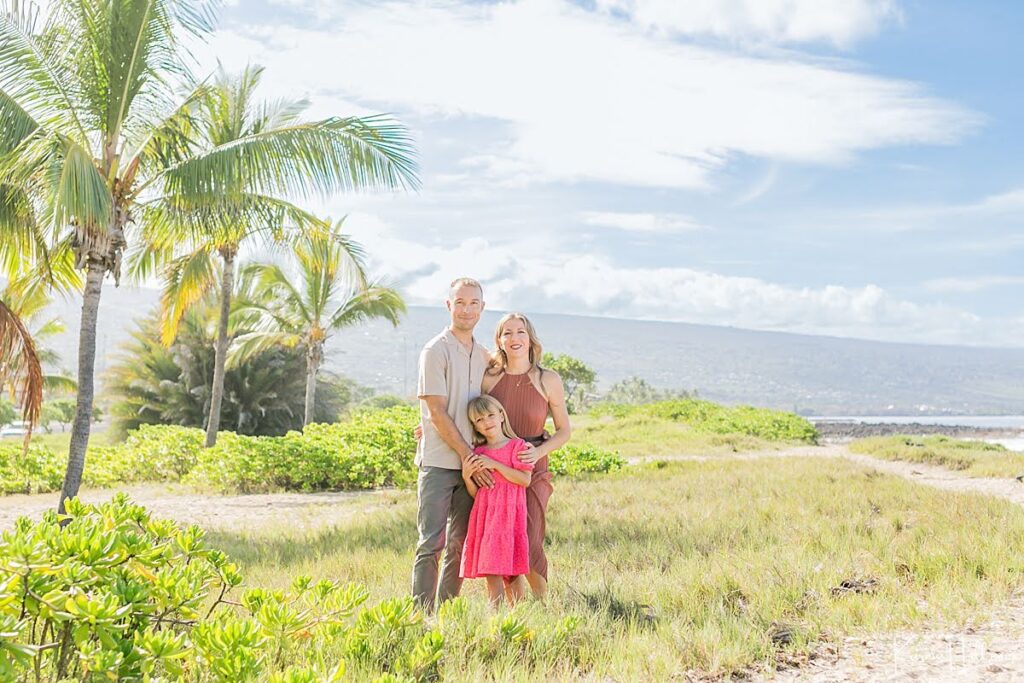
<point>219,512</point>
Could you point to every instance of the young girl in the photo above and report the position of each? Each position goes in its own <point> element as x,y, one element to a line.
<point>496,544</point>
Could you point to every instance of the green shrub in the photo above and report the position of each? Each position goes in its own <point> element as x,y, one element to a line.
<point>572,460</point>
<point>161,452</point>
<point>371,449</point>
<point>38,471</point>
<point>714,418</point>
<point>118,595</point>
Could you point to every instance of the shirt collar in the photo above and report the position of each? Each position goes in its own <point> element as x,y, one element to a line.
<point>451,339</point>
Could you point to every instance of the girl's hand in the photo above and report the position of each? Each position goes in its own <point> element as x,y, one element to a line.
<point>418,432</point>
<point>488,463</point>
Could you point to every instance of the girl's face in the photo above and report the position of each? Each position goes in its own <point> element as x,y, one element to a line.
<point>489,424</point>
<point>515,339</point>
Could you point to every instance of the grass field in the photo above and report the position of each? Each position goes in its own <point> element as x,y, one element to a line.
<point>977,458</point>
<point>714,567</point>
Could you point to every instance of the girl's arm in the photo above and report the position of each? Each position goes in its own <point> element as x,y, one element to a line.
<point>514,476</point>
<point>559,414</point>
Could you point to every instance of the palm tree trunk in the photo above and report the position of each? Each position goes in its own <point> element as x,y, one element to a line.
<point>86,372</point>
<point>220,348</point>
<point>313,357</point>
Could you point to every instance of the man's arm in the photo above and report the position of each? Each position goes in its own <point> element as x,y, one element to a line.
<point>437,409</point>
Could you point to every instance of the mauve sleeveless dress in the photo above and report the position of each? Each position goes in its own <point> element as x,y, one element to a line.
<point>527,411</point>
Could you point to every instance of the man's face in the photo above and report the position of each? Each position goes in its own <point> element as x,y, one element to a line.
<point>465,306</point>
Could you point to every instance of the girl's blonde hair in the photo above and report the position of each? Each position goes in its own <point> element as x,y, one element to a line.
<point>480,406</point>
<point>499,361</point>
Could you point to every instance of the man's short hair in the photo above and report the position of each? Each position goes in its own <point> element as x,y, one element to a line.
<point>464,282</point>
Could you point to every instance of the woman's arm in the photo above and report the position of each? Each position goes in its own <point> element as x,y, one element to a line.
<point>514,476</point>
<point>559,414</point>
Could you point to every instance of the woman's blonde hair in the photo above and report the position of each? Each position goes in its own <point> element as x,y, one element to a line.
<point>480,406</point>
<point>499,361</point>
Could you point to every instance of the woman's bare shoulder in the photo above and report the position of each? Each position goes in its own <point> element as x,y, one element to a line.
<point>550,379</point>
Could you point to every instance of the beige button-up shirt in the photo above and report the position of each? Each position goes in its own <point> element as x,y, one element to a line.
<point>448,369</point>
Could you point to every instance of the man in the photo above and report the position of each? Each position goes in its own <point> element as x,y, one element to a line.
<point>451,370</point>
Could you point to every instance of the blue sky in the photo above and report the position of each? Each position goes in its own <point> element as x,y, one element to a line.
<point>851,168</point>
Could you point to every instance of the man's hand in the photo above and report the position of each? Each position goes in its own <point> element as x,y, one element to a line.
<point>418,432</point>
<point>528,454</point>
<point>474,465</point>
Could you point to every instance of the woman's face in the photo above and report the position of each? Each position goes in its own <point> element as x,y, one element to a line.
<point>514,339</point>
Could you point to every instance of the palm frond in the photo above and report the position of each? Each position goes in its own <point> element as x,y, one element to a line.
<point>246,346</point>
<point>288,306</point>
<point>20,364</point>
<point>130,48</point>
<point>305,159</point>
<point>375,301</point>
<point>81,193</point>
<point>61,384</point>
<point>188,279</point>
<point>167,139</point>
<point>145,258</point>
<point>36,72</point>
<point>15,124</point>
<point>224,220</point>
<point>49,328</point>
<point>22,241</point>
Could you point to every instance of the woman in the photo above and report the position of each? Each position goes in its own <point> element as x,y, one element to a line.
<point>529,394</point>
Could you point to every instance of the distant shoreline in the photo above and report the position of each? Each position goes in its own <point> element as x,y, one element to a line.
<point>839,430</point>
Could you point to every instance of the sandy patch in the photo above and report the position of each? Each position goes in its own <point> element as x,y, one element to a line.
<point>220,512</point>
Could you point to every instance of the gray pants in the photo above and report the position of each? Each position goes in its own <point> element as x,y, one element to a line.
<point>442,522</point>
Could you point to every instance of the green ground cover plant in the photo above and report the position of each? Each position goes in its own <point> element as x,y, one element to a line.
<point>677,570</point>
<point>977,458</point>
<point>117,595</point>
<point>641,436</point>
<point>689,426</point>
<point>573,459</point>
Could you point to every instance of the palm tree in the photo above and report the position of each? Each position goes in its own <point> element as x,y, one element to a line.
<point>230,113</point>
<point>151,383</point>
<point>330,293</point>
<point>92,139</point>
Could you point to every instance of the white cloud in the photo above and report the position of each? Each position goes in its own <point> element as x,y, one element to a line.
<point>973,284</point>
<point>992,210</point>
<point>582,96</point>
<point>555,277</point>
<point>840,22</point>
<point>642,222</point>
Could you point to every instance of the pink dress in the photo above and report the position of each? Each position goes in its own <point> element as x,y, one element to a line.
<point>496,542</point>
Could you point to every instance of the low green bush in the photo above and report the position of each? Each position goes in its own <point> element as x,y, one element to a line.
<point>38,471</point>
<point>371,449</point>
<point>572,459</point>
<point>714,418</point>
<point>117,595</point>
